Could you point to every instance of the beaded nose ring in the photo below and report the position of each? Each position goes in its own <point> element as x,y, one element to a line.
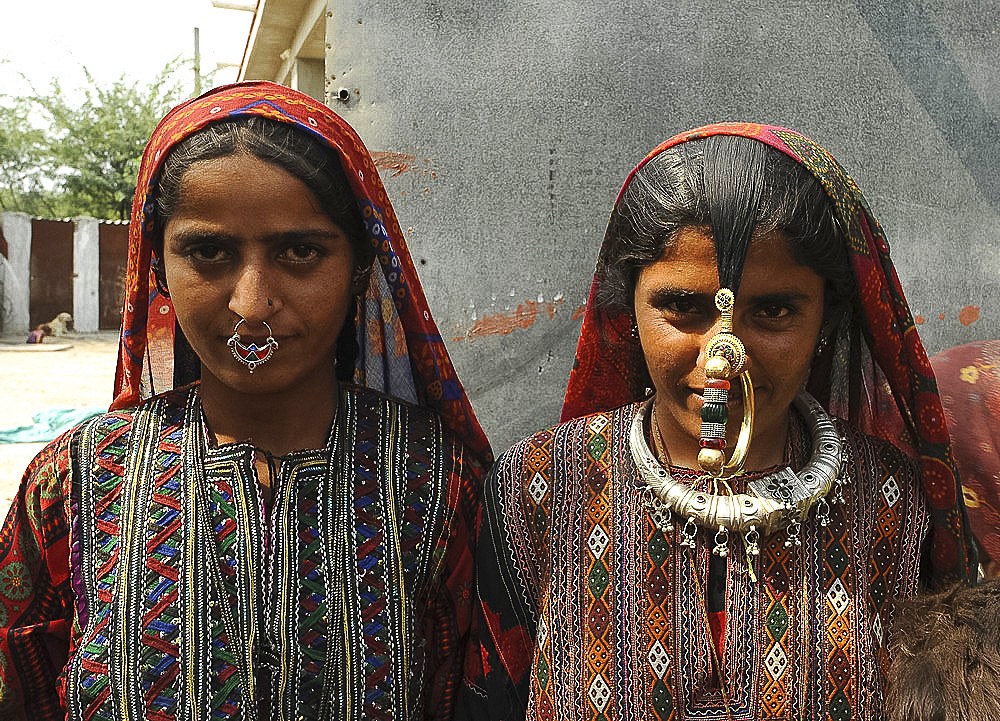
<point>252,355</point>
<point>726,358</point>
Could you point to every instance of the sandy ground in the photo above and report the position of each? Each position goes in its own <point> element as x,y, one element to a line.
<point>34,380</point>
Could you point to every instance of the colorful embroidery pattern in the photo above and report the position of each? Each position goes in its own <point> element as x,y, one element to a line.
<point>35,588</point>
<point>900,402</point>
<point>627,638</point>
<point>348,600</point>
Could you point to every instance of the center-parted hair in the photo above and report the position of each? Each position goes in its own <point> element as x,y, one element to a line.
<point>294,150</point>
<point>737,187</point>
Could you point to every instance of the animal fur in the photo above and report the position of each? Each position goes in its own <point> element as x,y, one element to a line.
<point>59,325</point>
<point>946,656</point>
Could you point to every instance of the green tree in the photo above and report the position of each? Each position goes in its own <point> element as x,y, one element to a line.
<point>83,157</point>
<point>24,162</point>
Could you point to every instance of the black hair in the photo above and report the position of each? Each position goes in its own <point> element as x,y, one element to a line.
<point>739,188</point>
<point>295,150</point>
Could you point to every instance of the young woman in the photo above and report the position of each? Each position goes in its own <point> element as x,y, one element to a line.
<point>275,519</point>
<point>707,538</point>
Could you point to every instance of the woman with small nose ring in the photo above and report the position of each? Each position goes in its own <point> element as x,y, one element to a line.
<point>275,519</point>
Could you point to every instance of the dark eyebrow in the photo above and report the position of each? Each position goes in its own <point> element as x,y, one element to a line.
<point>777,298</point>
<point>666,293</point>
<point>199,235</point>
<point>296,236</point>
<point>202,235</point>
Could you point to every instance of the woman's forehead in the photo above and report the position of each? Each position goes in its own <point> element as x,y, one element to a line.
<point>690,260</point>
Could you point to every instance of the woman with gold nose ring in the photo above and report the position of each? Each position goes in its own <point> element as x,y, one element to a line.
<point>719,527</point>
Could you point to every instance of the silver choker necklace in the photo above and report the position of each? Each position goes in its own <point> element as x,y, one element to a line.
<point>778,500</point>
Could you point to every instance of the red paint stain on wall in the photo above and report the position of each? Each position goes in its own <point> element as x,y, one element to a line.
<point>524,316</point>
<point>578,313</point>
<point>968,315</point>
<point>918,319</point>
<point>399,163</point>
<point>941,316</point>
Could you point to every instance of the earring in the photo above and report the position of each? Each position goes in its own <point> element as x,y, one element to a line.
<point>359,275</point>
<point>822,343</point>
<point>160,277</point>
<point>251,355</point>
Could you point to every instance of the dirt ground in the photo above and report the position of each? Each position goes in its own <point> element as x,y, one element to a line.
<point>33,379</point>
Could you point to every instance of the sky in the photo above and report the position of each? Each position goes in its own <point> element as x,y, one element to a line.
<point>56,38</point>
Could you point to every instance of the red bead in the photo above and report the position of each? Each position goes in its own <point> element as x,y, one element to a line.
<point>716,443</point>
<point>717,383</point>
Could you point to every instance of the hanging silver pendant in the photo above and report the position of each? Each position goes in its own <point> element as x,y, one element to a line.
<point>753,541</point>
<point>721,543</point>
<point>689,533</point>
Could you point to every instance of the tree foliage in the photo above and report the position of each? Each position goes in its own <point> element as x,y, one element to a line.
<point>23,162</point>
<point>81,156</point>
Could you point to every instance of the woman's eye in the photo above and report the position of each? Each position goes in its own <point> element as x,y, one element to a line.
<point>301,253</point>
<point>681,307</point>
<point>208,253</point>
<point>774,311</point>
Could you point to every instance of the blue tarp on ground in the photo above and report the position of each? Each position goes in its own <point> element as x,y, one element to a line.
<point>48,425</point>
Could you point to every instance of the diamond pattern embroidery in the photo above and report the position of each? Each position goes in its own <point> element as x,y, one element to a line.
<point>877,627</point>
<point>599,693</point>
<point>776,661</point>
<point>890,489</point>
<point>837,596</point>
<point>598,424</point>
<point>538,488</point>
<point>597,541</point>
<point>659,660</point>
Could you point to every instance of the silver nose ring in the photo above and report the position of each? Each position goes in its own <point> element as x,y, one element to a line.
<point>252,355</point>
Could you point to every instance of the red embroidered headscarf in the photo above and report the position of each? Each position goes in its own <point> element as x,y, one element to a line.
<point>401,351</point>
<point>880,377</point>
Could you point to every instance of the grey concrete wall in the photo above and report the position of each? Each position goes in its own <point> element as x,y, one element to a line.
<point>504,130</point>
<point>307,76</point>
<point>86,275</point>
<point>17,293</point>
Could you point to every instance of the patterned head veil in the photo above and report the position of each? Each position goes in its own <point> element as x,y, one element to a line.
<point>400,350</point>
<point>876,374</point>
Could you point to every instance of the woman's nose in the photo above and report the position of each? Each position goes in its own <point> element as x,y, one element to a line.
<point>707,335</point>
<point>253,297</point>
<point>710,333</point>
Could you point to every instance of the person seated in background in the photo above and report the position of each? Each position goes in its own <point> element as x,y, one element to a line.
<point>946,656</point>
<point>38,334</point>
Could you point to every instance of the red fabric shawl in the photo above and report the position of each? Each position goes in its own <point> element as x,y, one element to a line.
<point>969,377</point>
<point>401,351</point>
<point>882,366</point>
